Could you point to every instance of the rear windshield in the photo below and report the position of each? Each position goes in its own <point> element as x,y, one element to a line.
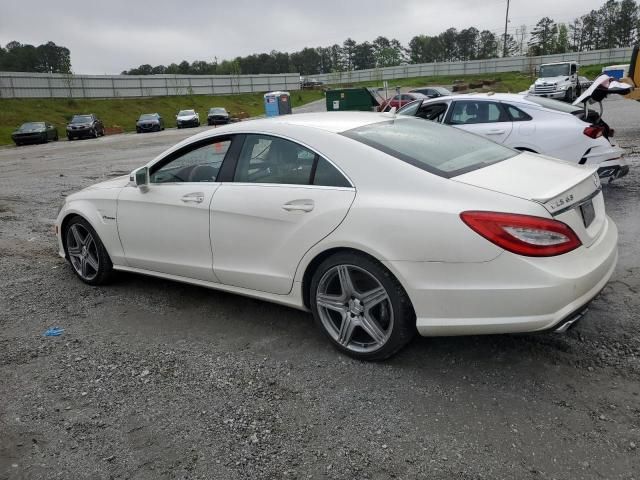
<point>553,104</point>
<point>439,149</point>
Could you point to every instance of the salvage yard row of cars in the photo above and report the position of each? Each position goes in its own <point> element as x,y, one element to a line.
<point>90,126</point>
<point>477,237</point>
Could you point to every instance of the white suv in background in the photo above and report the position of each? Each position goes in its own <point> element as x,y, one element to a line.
<point>532,124</point>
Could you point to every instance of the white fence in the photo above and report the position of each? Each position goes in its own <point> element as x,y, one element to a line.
<point>43,85</point>
<point>494,65</point>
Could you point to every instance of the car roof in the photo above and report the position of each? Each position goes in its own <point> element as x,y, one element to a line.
<point>335,122</point>
<point>488,97</point>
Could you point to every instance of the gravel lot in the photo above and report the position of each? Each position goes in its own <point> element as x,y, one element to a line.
<point>153,379</point>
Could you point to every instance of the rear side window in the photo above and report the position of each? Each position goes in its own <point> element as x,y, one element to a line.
<point>516,114</point>
<point>327,175</point>
<point>436,148</point>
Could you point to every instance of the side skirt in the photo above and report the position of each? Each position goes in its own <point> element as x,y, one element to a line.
<point>293,299</point>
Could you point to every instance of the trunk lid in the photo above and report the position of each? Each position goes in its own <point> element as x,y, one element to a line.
<point>571,193</point>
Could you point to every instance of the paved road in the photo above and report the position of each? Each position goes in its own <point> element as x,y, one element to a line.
<point>153,379</point>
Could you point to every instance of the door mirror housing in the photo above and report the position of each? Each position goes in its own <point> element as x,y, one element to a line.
<point>140,178</point>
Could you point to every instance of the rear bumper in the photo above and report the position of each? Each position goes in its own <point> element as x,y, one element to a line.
<point>613,169</point>
<point>510,294</point>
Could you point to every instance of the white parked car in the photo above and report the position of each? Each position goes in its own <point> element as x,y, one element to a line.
<point>532,124</point>
<point>187,118</point>
<point>379,225</point>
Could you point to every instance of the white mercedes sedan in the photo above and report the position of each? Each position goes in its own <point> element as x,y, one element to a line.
<point>532,124</point>
<point>380,225</point>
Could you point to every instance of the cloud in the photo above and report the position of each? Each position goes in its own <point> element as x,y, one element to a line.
<point>123,34</point>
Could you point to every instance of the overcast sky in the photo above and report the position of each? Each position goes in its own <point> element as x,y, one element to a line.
<point>115,35</point>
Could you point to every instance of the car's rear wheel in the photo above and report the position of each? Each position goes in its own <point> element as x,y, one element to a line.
<point>361,306</point>
<point>86,253</point>
<point>94,133</point>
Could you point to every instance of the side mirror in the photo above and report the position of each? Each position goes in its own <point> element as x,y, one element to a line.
<point>141,178</point>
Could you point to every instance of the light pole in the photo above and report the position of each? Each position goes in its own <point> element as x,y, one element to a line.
<point>506,23</point>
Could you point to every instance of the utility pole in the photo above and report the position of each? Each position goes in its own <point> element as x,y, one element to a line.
<point>506,23</point>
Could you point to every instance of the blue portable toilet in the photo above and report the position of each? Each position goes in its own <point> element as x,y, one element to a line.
<point>277,103</point>
<point>617,71</point>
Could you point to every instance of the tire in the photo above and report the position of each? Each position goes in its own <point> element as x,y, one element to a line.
<point>568,96</point>
<point>69,137</point>
<point>379,313</point>
<point>95,133</point>
<point>86,253</point>
<point>56,138</point>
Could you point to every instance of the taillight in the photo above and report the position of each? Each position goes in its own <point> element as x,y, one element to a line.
<point>523,234</point>
<point>593,131</point>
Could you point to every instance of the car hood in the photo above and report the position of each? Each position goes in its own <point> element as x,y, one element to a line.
<point>151,120</point>
<point>558,79</point>
<point>186,117</point>
<point>117,182</point>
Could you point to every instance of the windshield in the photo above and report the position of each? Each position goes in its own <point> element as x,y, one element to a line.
<point>184,113</point>
<point>218,110</point>
<point>442,91</point>
<point>442,150</point>
<point>410,109</point>
<point>81,119</point>
<point>553,104</point>
<point>554,70</point>
<point>31,126</point>
<point>148,116</point>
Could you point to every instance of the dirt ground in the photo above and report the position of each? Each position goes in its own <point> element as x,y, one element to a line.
<point>153,379</point>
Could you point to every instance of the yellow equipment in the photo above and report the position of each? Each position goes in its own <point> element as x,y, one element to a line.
<point>634,76</point>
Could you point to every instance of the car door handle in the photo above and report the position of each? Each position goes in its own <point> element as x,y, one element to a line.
<point>495,132</point>
<point>298,206</point>
<point>195,197</point>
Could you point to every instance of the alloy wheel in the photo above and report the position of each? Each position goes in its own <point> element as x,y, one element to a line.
<point>83,252</point>
<point>354,308</point>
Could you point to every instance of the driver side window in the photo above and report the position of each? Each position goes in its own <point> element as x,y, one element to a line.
<point>200,164</point>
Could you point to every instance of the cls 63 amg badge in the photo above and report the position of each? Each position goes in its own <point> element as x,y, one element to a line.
<point>560,202</point>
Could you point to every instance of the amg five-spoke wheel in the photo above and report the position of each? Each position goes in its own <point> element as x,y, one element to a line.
<point>361,307</point>
<point>86,253</point>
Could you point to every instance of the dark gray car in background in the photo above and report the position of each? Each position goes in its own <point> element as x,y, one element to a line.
<point>149,122</point>
<point>85,126</point>
<point>432,92</point>
<point>34,132</point>
<point>217,116</point>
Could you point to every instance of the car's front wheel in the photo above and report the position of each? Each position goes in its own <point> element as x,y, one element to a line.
<point>361,306</point>
<point>86,253</point>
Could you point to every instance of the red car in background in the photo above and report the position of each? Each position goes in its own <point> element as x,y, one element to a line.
<point>401,100</point>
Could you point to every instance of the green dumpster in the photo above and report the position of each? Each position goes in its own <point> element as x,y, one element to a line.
<point>363,99</point>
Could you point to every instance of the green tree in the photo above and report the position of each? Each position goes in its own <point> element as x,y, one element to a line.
<point>467,41</point>
<point>627,24</point>
<point>348,49</point>
<point>543,37</point>
<point>449,41</point>
<point>487,45</point>
<point>363,56</point>
<point>562,40</point>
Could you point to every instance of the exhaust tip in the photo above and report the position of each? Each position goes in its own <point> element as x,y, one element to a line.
<point>571,321</point>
